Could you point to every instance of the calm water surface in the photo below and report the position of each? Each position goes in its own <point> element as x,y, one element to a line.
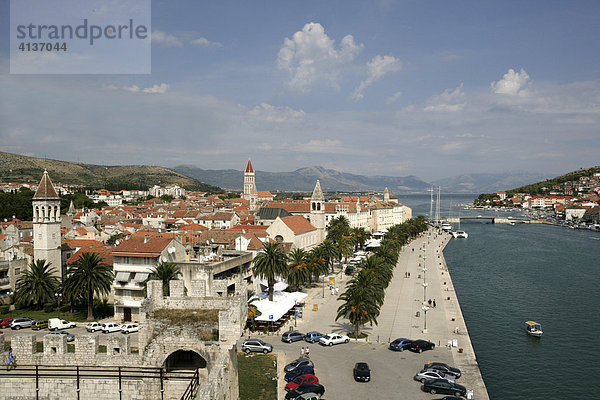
<point>505,275</point>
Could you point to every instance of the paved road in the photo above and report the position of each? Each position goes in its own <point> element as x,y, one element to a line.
<point>392,372</point>
<point>78,330</point>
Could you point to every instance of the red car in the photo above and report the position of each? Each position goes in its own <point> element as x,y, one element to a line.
<point>299,380</point>
<point>5,323</point>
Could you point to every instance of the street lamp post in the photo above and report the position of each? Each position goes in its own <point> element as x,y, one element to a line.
<point>57,295</point>
<point>425,309</point>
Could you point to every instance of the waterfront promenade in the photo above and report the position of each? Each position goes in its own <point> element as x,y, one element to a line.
<point>392,371</point>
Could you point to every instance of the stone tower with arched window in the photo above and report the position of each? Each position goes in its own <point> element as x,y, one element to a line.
<point>250,192</point>
<point>317,211</point>
<point>46,224</point>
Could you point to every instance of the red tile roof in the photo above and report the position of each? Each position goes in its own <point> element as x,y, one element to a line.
<point>46,189</point>
<point>149,246</point>
<point>298,224</point>
<point>249,167</point>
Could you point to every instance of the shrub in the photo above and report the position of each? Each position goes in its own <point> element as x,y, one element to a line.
<point>4,309</point>
<point>49,307</point>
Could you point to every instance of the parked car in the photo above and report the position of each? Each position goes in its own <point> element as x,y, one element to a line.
<point>305,388</point>
<point>445,368</point>
<point>55,324</point>
<point>333,338</point>
<point>22,322</point>
<point>94,326</point>
<point>434,386</point>
<point>426,374</point>
<point>111,327</point>
<point>350,269</point>
<point>450,398</point>
<point>420,346</point>
<point>400,344</point>
<point>250,345</point>
<point>308,396</point>
<point>313,336</point>
<point>362,372</point>
<point>37,325</point>
<point>292,336</point>
<point>129,328</point>
<point>298,363</point>
<point>299,380</point>
<point>5,323</point>
<point>305,369</point>
<point>70,336</point>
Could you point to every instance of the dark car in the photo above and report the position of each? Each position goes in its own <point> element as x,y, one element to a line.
<point>298,363</point>
<point>445,368</point>
<point>305,369</point>
<point>434,386</point>
<point>362,372</point>
<point>420,346</point>
<point>5,323</point>
<point>292,336</point>
<point>400,344</point>
<point>305,388</point>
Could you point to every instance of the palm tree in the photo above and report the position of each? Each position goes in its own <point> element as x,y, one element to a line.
<point>317,265</point>
<point>252,309</point>
<point>269,263</point>
<point>360,236</point>
<point>298,272</point>
<point>89,276</point>
<point>37,284</point>
<point>329,251</point>
<point>361,301</point>
<point>165,272</point>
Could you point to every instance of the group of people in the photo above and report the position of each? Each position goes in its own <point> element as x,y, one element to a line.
<point>431,303</point>
<point>305,352</point>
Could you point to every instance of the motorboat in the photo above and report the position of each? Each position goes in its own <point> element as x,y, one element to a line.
<point>460,234</point>
<point>533,328</point>
<point>446,226</point>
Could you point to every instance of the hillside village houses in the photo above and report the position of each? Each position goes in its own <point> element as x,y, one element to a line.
<point>198,230</point>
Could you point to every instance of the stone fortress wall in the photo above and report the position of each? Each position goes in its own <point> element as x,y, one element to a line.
<point>218,372</point>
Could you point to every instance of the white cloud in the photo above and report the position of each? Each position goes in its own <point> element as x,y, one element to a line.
<point>162,88</point>
<point>165,39</point>
<point>449,100</point>
<point>377,68</point>
<point>267,112</point>
<point>204,42</point>
<point>393,98</point>
<point>321,146</point>
<point>511,83</point>
<point>311,57</point>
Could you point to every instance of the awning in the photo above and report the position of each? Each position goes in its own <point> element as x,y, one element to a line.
<point>281,304</point>
<point>141,277</point>
<point>122,277</point>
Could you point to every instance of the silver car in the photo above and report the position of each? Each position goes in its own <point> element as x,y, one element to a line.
<point>250,345</point>
<point>70,337</point>
<point>22,322</point>
<point>426,374</point>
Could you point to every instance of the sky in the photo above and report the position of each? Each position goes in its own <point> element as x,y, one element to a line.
<point>427,88</point>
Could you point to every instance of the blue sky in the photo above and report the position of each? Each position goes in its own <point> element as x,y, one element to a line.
<point>426,88</point>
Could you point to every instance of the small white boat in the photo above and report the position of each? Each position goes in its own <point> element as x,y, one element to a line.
<point>460,234</point>
<point>446,226</point>
<point>533,328</point>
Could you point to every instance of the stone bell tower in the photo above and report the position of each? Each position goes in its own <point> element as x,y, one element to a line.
<point>317,211</point>
<point>250,192</point>
<point>46,224</point>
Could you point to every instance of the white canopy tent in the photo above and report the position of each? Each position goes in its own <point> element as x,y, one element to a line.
<point>281,304</point>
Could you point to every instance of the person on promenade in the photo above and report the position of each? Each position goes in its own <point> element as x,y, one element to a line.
<point>307,352</point>
<point>433,303</point>
<point>429,302</point>
<point>11,361</point>
<point>302,352</point>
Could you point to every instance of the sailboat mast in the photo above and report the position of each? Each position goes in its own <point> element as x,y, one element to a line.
<point>437,206</point>
<point>431,204</point>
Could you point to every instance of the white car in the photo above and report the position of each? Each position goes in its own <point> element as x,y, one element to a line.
<point>94,326</point>
<point>333,338</point>
<point>130,328</point>
<point>111,327</point>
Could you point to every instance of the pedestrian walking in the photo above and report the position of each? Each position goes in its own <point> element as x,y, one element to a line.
<point>307,352</point>
<point>11,360</point>
<point>302,352</point>
<point>429,301</point>
<point>433,303</point>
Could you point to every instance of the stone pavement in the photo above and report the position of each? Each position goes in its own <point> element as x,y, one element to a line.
<point>392,371</point>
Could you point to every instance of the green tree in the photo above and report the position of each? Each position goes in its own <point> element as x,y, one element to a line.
<point>165,272</point>
<point>89,276</point>
<point>253,311</point>
<point>298,272</point>
<point>269,263</point>
<point>329,251</point>
<point>37,285</point>
<point>362,299</point>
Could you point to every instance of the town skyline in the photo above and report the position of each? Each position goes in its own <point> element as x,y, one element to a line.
<point>390,88</point>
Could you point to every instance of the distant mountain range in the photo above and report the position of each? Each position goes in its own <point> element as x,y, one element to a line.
<point>19,168</point>
<point>304,179</point>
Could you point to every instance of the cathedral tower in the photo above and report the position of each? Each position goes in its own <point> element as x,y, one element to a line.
<point>317,211</point>
<point>46,224</point>
<point>250,192</point>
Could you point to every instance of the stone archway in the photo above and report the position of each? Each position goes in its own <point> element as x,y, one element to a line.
<point>184,360</point>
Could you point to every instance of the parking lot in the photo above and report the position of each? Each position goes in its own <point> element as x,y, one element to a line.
<point>78,330</point>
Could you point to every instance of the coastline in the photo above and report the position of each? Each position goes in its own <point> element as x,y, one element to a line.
<point>467,360</point>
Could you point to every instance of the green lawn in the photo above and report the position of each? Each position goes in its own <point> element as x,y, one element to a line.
<point>257,376</point>
<point>77,316</point>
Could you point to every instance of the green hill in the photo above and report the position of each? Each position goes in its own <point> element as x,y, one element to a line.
<point>536,188</point>
<point>19,168</point>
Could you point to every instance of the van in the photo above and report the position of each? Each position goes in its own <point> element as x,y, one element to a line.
<point>55,324</point>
